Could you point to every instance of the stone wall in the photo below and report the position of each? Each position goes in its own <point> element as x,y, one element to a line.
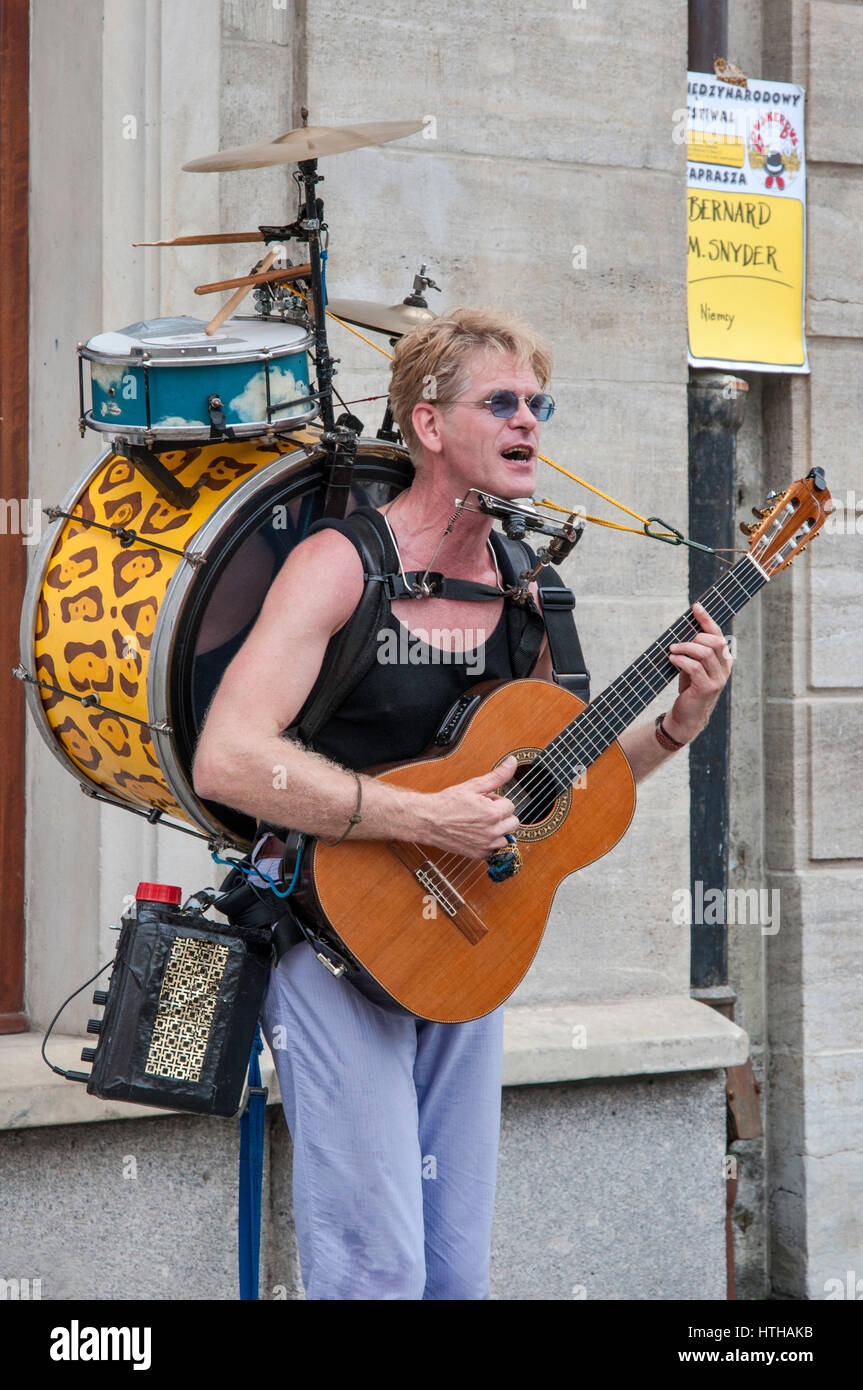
<point>545,179</point>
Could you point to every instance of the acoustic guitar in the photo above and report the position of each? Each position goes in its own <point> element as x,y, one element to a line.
<point>450,937</point>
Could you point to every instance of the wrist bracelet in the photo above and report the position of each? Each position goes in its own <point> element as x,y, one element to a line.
<point>665,740</point>
<point>352,821</point>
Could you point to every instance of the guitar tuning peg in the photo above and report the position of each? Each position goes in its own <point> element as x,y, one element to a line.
<point>747,530</point>
<point>761,512</point>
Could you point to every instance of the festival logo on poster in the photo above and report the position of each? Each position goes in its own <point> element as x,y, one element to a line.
<point>746,207</point>
<point>773,148</point>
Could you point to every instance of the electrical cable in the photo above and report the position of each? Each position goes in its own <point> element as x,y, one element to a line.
<point>70,1075</point>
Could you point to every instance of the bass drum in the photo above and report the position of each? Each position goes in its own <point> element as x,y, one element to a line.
<point>134,608</point>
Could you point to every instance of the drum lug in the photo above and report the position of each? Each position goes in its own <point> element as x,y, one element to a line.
<point>195,557</point>
<point>216,410</point>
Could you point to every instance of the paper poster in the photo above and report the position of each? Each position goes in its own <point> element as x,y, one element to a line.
<point>746,224</point>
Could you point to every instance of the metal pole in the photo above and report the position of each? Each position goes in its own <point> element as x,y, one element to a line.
<point>716,404</point>
<point>708,33</point>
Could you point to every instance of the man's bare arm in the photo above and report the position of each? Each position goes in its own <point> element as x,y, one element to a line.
<point>242,759</point>
<point>704,665</point>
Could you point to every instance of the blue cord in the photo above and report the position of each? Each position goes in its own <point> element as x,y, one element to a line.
<point>279,892</point>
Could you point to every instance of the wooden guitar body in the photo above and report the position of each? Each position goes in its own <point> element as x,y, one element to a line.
<point>436,931</point>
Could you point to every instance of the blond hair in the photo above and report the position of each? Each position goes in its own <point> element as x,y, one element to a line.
<point>430,363</point>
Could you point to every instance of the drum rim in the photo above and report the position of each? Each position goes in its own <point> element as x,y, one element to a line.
<point>249,429</point>
<point>177,595</point>
<point>228,359</point>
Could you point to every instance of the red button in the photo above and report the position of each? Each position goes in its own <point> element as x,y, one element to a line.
<point>159,893</point>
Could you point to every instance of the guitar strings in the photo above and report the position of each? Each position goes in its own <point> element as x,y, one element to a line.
<point>572,736</point>
<point>556,762</point>
<point>529,793</point>
<point>567,738</point>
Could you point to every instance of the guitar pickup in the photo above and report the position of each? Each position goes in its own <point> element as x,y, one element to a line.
<point>429,877</point>
<point>456,718</point>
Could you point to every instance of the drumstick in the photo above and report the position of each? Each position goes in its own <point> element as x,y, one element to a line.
<point>230,305</point>
<point>207,239</point>
<point>294,272</point>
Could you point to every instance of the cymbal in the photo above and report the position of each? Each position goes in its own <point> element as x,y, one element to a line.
<point>306,142</point>
<point>394,319</point>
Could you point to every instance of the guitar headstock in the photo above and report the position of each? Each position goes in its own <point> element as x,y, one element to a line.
<point>789,522</point>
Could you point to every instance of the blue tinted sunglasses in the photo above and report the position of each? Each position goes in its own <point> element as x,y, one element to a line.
<point>504,404</point>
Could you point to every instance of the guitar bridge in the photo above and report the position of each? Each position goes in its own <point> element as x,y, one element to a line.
<point>443,893</point>
<point>429,876</point>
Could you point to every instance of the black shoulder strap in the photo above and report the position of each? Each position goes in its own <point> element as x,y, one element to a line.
<point>351,651</point>
<point>524,626</point>
<point>567,658</point>
<point>558,603</point>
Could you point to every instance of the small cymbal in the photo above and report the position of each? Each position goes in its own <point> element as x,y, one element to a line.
<point>307,142</point>
<point>394,319</point>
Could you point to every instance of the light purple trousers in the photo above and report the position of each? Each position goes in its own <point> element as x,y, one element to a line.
<point>395,1124</point>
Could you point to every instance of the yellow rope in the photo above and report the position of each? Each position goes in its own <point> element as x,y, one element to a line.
<point>603,495</point>
<point>358,335</point>
<point>597,520</point>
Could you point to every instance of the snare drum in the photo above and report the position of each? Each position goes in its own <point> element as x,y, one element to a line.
<point>168,379</point>
<point>134,608</point>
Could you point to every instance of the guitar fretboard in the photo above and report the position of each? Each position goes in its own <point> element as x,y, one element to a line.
<point>612,711</point>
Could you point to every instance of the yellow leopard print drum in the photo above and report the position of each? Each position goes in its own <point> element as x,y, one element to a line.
<point>134,608</point>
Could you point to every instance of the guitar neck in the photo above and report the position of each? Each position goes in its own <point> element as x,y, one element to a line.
<point>612,711</point>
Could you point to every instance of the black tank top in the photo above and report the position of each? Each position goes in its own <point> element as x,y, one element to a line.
<point>397,708</point>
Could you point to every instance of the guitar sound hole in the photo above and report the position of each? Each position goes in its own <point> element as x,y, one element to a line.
<point>534,792</point>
